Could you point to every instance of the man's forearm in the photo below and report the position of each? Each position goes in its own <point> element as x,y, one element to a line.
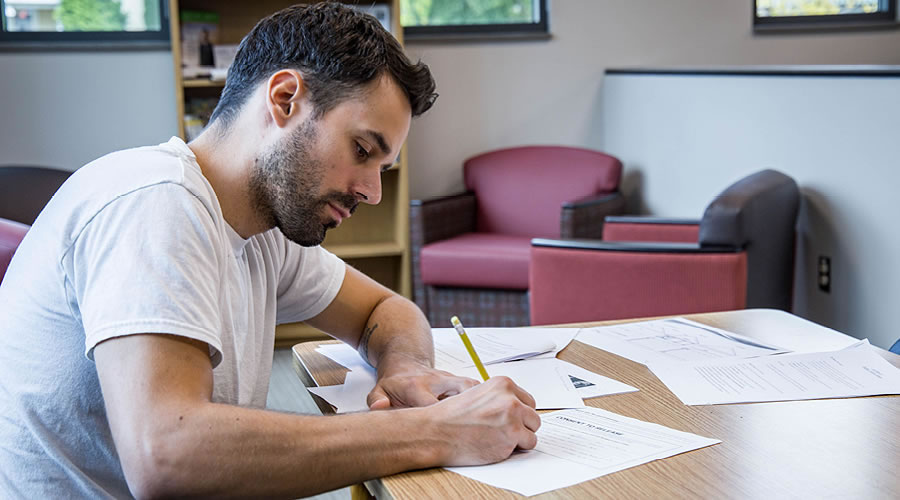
<point>221,450</point>
<point>396,327</point>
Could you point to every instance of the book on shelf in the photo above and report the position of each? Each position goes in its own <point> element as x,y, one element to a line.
<point>199,34</point>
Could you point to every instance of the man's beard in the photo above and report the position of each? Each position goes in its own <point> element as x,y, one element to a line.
<point>283,188</point>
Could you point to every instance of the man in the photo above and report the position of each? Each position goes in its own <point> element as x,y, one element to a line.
<point>139,311</point>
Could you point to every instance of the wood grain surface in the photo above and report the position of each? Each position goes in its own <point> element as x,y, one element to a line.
<point>831,448</point>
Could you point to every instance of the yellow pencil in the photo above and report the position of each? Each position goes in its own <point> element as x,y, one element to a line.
<point>465,338</point>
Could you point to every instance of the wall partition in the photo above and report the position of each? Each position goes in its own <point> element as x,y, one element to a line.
<point>685,134</point>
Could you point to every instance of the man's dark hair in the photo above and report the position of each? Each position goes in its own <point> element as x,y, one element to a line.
<point>337,49</point>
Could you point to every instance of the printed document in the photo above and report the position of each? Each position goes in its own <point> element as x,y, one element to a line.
<point>582,444</point>
<point>497,345</point>
<point>850,372</point>
<point>675,339</point>
<point>591,385</point>
<point>546,380</point>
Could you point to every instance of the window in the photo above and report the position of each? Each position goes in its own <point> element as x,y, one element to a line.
<point>775,14</point>
<point>66,21</point>
<point>423,19</point>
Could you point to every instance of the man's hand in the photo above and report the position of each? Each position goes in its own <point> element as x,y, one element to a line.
<point>406,382</point>
<point>485,424</point>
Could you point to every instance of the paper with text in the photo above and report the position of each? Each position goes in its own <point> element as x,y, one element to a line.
<point>591,385</point>
<point>496,345</point>
<point>675,339</point>
<point>545,379</point>
<point>582,444</point>
<point>851,372</point>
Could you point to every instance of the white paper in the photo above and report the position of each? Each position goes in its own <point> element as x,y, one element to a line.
<point>591,385</point>
<point>851,372</point>
<point>582,444</point>
<point>545,379</point>
<point>345,356</point>
<point>351,395</point>
<point>540,380</point>
<point>495,345</point>
<point>676,339</point>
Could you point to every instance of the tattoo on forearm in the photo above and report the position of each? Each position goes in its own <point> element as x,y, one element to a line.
<point>364,340</point>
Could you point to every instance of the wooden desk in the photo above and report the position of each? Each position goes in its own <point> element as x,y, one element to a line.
<point>837,448</point>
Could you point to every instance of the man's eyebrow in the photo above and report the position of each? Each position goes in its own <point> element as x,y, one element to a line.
<point>379,140</point>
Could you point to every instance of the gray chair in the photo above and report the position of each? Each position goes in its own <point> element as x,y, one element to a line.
<point>24,191</point>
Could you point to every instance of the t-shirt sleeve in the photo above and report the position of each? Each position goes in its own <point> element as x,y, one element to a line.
<point>310,279</point>
<point>148,263</point>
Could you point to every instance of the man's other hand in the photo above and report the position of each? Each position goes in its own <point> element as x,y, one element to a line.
<point>404,382</point>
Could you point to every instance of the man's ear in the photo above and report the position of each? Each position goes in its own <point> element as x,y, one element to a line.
<point>285,90</point>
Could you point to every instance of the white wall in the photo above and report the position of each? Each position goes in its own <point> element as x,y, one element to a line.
<point>498,94</point>
<point>64,109</point>
<point>684,138</point>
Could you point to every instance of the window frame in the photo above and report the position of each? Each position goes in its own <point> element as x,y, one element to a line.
<point>540,29</point>
<point>89,39</point>
<point>882,18</point>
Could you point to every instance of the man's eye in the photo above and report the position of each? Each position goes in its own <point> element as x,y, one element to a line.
<point>361,152</point>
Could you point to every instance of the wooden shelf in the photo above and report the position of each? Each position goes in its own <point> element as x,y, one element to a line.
<point>362,250</point>
<point>203,83</point>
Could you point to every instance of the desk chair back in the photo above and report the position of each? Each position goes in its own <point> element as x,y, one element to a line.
<point>24,191</point>
<point>758,213</point>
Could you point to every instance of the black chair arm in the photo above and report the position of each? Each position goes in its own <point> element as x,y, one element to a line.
<point>649,219</point>
<point>583,218</point>
<point>632,246</point>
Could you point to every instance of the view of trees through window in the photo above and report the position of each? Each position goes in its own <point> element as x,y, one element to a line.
<point>782,8</point>
<point>81,15</point>
<point>467,12</point>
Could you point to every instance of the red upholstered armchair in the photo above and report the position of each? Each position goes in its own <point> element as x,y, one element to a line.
<point>11,234</point>
<point>471,251</point>
<point>740,254</point>
<point>25,190</point>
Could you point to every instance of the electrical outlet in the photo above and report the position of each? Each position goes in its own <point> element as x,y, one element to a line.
<point>824,273</point>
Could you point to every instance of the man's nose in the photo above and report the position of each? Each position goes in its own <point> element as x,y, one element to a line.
<point>368,189</point>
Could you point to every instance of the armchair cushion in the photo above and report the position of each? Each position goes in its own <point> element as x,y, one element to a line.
<point>520,191</point>
<point>477,260</point>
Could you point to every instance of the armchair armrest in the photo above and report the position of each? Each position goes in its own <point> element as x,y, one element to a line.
<point>592,281</point>
<point>583,218</point>
<point>441,218</point>
<point>633,246</point>
<point>434,220</point>
<point>648,228</point>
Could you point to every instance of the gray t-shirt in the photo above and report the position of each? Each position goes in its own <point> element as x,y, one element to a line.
<point>134,242</point>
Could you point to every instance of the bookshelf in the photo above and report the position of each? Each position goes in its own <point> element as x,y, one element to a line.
<point>376,239</point>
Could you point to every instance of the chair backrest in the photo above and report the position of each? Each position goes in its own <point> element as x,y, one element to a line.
<point>520,191</point>
<point>24,191</point>
<point>758,213</point>
<point>11,234</point>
